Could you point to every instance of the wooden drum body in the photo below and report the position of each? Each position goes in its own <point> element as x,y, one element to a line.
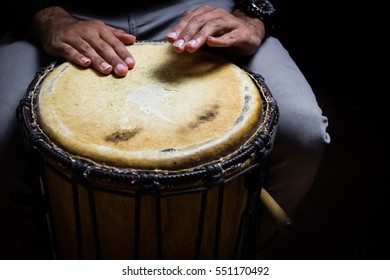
<point>165,163</point>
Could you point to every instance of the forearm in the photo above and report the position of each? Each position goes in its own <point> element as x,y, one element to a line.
<point>47,19</point>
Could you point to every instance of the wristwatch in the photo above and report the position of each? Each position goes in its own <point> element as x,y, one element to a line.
<point>261,9</point>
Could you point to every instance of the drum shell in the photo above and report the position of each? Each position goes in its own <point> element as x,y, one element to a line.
<point>134,226</point>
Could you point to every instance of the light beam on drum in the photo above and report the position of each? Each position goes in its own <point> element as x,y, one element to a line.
<point>149,98</point>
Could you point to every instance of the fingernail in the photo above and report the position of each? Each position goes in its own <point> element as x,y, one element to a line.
<point>129,60</point>
<point>105,65</point>
<point>172,35</point>
<point>85,60</point>
<point>192,42</point>
<point>179,43</point>
<point>120,67</point>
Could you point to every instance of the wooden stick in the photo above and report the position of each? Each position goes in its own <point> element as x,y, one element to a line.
<point>283,222</point>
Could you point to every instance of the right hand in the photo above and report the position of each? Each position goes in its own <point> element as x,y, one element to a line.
<point>235,33</point>
<point>83,42</point>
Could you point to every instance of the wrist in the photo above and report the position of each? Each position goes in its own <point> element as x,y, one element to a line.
<point>256,24</point>
<point>259,9</point>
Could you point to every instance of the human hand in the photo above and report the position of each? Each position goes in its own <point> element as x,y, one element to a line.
<point>83,42</point>
<point>216,27</point>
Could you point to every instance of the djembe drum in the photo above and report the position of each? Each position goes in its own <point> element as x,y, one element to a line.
<point>165,163</point>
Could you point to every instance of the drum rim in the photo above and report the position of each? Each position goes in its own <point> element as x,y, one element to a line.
<point>255,149</point>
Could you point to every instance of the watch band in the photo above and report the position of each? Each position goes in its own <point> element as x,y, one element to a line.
<point>261,9</point>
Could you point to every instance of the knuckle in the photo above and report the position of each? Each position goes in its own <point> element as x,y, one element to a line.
<point>216,23</point>
<point>95,22</point>
<point>198,19</point>
<point>186,16</point>
<point>219,10</point>
<point>84,46</point>
<point>102,46</point>
<point>187,34</point>
<point>66,51</point>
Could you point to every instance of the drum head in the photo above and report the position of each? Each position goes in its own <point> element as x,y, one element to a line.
<point>171,111</point>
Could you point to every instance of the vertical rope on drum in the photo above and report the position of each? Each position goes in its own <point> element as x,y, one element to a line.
<point>246,227</point>
<point>92,209</point>
<point>50,218</point>
<point>250,238</point>
<point>250,214</point>
<point>77,220</point>
<point>219,219</point>
<point>201,224</point>
<point>159,227</point>
<point>137,226</point>
<point>239,236</point>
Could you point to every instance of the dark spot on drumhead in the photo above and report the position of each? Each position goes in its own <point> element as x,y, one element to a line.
<point>206,116</point>
<point>245,109</point>
<point>124,135</point>
<point>168,150</point>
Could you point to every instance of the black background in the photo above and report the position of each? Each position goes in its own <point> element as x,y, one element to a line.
<point>341,49</point>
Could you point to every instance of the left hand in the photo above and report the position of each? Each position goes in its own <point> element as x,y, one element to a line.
<point>216,27</point>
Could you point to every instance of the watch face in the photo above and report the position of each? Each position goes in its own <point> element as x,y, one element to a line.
<point>264,5</point>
